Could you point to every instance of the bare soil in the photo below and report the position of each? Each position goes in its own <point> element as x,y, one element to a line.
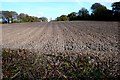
<point>77,37</point>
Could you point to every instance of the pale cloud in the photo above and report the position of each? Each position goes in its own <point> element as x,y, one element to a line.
<point>59,1</point>
<point>38,14</point>
<point>31,13</point>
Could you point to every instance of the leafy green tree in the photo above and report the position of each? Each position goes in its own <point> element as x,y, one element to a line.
<point>62,18</point>
<point>95,6</point>
<point>57,19</point>
<point>9,15</point>
<point>72,16</point>
<point>12,16</point>
<point>83,13</point>
<point>116,6</point>
<point>116,10</point>
<point>44,19</point>
<point>22,17</point>
<point>98,11</point>
<point>26,18</point>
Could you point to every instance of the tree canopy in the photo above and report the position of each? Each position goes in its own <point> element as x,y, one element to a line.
<point>62,18</point>
<point>116,10</point>
<point>96,6</point>
<point>72,16</point>
<point>44,19</point>
<point>83,13</point>
<point>22,17</point>
<point>116,6</point>
<point>98,12</point>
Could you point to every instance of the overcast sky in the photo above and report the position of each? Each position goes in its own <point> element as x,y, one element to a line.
<point>50,8</point>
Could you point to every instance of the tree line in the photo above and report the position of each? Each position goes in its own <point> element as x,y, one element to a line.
<point>14,17</point>
<point>99,12</point>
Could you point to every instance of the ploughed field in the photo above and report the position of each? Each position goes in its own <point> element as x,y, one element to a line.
<point>80,36</point>
<point>61,50</point>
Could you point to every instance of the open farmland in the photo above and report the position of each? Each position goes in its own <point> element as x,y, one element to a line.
<point>61,50</point>
<point>62,36</point>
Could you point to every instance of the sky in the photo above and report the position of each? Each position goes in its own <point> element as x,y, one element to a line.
<point>50,8</point>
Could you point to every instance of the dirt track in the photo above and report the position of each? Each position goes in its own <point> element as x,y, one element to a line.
<point>81,36</point>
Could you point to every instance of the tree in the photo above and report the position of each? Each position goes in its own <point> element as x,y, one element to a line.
<point>83,13</point>
<point>26,18</point>
<point>57,19</point>
<point>22,17</point>
<point>96,6</point>
<point>7,14</point>
<point>44,19</point>
<point>98,11</point>
<point>10,15</point>
<point>72,16</point>
<point>62,18</point>
<point>116,10</point>
<point>116,6</point>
